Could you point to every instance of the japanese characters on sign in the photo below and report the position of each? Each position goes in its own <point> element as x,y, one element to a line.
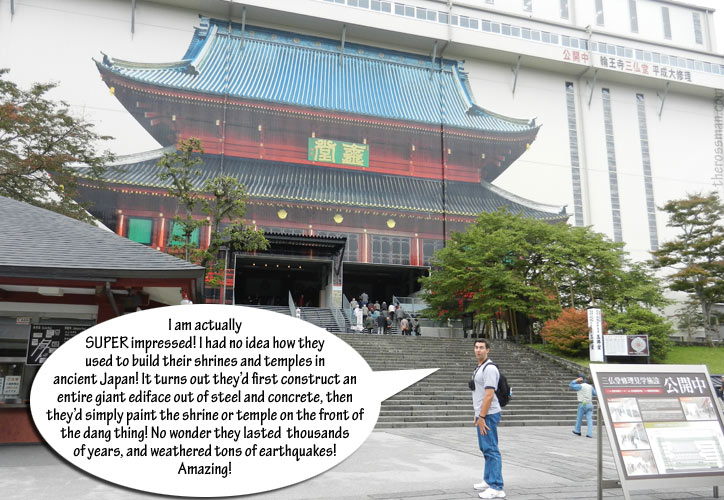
<point>664,424</point>
<point>595,335</point>
<point>12,385</point>
<point>45,339</point>
<point>338,152</point>
<point>629,65</point>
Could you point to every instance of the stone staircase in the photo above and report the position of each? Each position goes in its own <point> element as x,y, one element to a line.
<point>540,387</point>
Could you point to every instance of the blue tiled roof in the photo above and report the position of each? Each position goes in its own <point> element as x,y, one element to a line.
<point>311,72</point>
<point>286,182</point>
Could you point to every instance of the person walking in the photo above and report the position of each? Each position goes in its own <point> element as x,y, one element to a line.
<point>405,326</point>
<point>586,393</point>
<point>487,416</point>
<point>381,324</point>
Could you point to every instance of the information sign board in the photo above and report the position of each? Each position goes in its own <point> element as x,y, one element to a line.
<point>626,345</point>
<point>595,334</point>
<point>663,425</point>
<point>45,339</point>
<point>12,385</point>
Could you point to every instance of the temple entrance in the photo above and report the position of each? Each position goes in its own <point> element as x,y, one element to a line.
<point>268,280</point>
<point>381,281</point>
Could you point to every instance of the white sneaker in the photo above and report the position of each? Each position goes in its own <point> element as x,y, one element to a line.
<point>492,493</point>
<point>482,485</point>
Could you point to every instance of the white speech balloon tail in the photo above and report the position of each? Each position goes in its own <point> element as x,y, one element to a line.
<point>389,383</point>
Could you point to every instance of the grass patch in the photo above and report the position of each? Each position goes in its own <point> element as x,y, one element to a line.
<point>712,357</point>
<point>552,350</point>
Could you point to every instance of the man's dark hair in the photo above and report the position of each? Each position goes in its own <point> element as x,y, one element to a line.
<point>482,341</point>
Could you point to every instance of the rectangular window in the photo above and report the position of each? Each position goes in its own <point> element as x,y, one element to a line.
<point>646,163</point>
<point>698,37</point>
<point>612,169</point>
<point>399,9</point>
<point>390,250</point>
<point>464,22</point>
<point>386,7</point>
<point>515,31</point>
<point>474,24</point>
<point>506,29</point>
<point>376,5</point>
<point>528,5</point>
<point>525,33</point>
<point>409,11</point>
<point>564,9</point>
<point>486,25</point>
<point>667,22</point>
<point>634,16</point>
<point>177,237</point>
<point>575,161</point>
<point>535,35</point>
<point>365,4</point>
<point>599,12</point>
<point>431,16</point>
<point>442,17</point>
<point>140,230</point>
<point>429,247</point>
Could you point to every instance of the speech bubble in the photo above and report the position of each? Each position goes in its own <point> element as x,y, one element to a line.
<point>208,400</point>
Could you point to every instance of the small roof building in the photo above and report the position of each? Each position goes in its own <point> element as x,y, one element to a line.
<point>60,275</point>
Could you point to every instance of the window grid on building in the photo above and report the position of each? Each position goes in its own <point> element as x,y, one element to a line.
<point>390,250</point>
<point>648,180</point>
<point>429,247</point>
<point>612,174</point>
<point>698,35</point>
<point>564,9</point>
<point>667,22</point>
<point>633,13</point>
<point>351,247</point>
<point>546,37</point>
<point>599,12</point>
<point>528,5</point>
<point>573,146</point>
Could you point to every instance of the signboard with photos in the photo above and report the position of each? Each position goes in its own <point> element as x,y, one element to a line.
<point>45,339</point>
<point>663,424</point>
<point>626,345</point>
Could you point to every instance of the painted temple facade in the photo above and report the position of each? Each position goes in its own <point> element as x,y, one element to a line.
<point>387,149</point>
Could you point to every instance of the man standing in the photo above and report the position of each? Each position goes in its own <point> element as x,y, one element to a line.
<point>586,393</point>
<point>487,417</point>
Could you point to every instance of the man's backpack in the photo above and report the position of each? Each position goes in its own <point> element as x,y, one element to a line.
<point>503,392</point>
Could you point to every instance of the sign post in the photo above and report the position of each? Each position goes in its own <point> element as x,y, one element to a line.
<point>595,335</point>
<point>663,426</point>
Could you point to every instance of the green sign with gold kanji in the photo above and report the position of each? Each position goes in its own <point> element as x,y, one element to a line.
<point>341,153</point>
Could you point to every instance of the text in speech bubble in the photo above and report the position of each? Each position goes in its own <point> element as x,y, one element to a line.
<point>208,400</point>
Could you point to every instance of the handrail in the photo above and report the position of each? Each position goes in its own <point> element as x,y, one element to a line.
<point>292,307</point>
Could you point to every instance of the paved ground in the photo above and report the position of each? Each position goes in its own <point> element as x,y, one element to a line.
<point>542,463</point>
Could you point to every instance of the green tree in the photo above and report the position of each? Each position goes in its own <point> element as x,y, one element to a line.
<point>696,255</point>
<point>508,263</point>
<point>181,169</point>
<point>40,141</point>
<point>225,200</point>
<point>220,200</point>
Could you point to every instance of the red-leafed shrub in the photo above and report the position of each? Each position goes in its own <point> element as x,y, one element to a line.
<point>568,332</point>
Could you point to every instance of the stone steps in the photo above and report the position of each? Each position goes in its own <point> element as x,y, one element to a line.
<point>540,387</point>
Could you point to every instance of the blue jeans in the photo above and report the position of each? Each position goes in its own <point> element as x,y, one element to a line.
<point>489,446</point>
<point>586,409</point>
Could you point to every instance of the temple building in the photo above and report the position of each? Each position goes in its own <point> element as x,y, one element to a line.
<point>386,149</point>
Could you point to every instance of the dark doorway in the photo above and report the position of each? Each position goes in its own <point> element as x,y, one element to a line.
<point>381,281</point>
<point>268,281</point>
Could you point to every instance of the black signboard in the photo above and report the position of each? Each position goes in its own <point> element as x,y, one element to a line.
<point>663,422</point>
<point>45,339</point>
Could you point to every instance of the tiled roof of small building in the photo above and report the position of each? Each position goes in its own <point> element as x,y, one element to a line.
<point>38,240</point>
<point>312,72</point>
<point>278,181</point>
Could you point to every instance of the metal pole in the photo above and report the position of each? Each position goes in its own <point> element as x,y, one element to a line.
<point>226,264</point>
<point>599,452</point>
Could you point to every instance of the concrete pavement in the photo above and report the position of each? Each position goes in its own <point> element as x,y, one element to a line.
<point>541,463</point>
